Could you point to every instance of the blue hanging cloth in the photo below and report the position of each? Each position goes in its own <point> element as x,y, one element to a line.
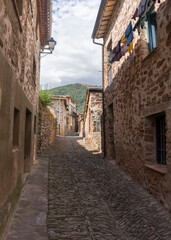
<point>129,34</point>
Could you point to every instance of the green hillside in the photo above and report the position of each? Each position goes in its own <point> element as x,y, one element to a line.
<point>76,91</point>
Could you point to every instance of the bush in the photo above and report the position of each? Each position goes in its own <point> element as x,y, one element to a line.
<point>46,97</point>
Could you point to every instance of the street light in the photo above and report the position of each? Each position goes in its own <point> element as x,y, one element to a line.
<point>52,44</point>
<point>50,48</point>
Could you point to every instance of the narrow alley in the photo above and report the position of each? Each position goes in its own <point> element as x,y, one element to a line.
<point>89,198</point>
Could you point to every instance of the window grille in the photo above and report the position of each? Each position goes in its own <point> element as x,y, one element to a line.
<point>161,140</point>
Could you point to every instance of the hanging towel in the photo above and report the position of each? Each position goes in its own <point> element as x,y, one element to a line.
<point>130,48</point>
<point>129,34</point>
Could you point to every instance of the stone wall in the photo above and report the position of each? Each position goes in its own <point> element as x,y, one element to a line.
<point>140,91</point>
<point>19,94</point>
<point>47,128</point>
<point>93,117</point>
<point>81,127</point>
<point>59,106</point>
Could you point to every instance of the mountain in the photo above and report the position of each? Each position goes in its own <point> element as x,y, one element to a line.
<point>76,91</point>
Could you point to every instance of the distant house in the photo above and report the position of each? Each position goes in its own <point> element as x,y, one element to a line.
<point>91,129</point>
<point>65,109</point>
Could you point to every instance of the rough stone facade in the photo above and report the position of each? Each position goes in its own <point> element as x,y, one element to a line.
<point>93,117</point>
<point>19,97</point>
<point>65,109</point>
<point>47,128</point>
<point>81,127</point>
<point>139,92</point>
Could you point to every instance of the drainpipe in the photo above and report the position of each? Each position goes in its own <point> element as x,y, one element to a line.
<point>104,131</point>
<point>50,19</point>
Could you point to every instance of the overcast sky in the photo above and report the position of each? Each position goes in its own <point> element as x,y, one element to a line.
<point>76,58</point>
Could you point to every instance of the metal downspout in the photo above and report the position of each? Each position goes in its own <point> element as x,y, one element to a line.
<point>104,131</point>
<point>50,19</point>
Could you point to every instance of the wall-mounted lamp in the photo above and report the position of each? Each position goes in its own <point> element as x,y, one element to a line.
<point>50,48</point>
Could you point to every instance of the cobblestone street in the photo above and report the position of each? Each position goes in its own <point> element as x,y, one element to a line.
<point>89,198</point>
<point>92,199</point>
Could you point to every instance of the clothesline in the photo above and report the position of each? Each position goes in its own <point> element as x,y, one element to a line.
<point>126,42</point>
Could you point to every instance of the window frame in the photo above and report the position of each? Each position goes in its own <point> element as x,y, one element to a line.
<point>152,29</point>
<point>16,128</point>
<point>161,140</point>
<point>17,14</point>
<point>110,79</point>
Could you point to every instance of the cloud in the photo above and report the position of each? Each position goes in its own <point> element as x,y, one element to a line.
<point>76,58</point>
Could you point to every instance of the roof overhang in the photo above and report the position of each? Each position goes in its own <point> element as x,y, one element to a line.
<point>103,18</point>
<point>71,99</point>
<point>45,20</point>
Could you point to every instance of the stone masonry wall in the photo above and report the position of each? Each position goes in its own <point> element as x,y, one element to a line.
<point>47,128</point>
<point>141,89</point>
<point>59,106</point>
<point>20,44</point>
<point>93,119</point>
<point>19,92</point>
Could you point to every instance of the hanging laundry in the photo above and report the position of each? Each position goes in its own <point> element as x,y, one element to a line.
<point>124,47</point>
<point>142,23</point>
<point>137,26</point>
<point>130,48</point>
<point>117,52</point>
<point>135,14</point>
<point>129,34</point>
<point>143,7</point>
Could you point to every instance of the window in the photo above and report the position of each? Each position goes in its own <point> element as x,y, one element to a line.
<point>34,71</point>
<point>19,6</point>
<point>35,123</point>
<point>152,29</point>
<point>161,140</point>
<point>110,76</point>
<point>16,127</point>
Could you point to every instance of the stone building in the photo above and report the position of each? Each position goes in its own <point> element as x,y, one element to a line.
<point>24,30</point>
<point>137,89</point>
<point>81,127</point>
<point>65,108</point>
<point>79,117</point>
<point>93,117</point>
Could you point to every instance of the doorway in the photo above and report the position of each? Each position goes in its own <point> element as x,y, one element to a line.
<point>27,142</point>
<point>110,146</point>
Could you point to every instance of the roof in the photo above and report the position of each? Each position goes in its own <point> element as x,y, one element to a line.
<point>56,97</point>
<point>94,89</point>
<point>45,20</point>
<point>103,18</point>
<point>71,99</point>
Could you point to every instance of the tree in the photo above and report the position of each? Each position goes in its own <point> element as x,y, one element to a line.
<point>46,97</point>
